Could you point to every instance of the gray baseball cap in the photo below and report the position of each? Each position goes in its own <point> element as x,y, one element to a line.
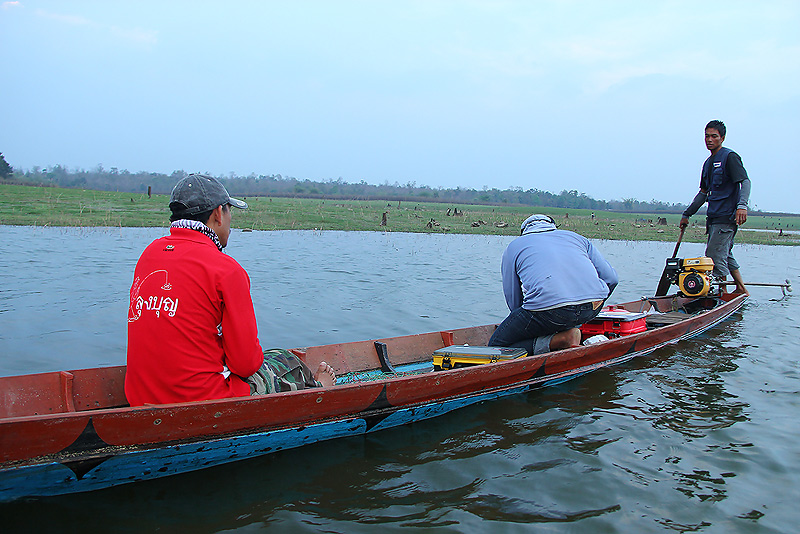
<point>198,193</point>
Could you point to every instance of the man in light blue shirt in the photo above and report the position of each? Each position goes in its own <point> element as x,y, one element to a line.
<point>554,281</point>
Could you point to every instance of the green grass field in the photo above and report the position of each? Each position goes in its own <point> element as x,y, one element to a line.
<point>48,206</point>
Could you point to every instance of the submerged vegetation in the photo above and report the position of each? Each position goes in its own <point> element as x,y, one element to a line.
<point>51,206</point>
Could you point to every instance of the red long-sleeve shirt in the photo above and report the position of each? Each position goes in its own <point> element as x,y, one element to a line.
<point>190,321</point>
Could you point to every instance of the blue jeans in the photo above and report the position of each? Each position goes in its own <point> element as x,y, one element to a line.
<point>533,330</point>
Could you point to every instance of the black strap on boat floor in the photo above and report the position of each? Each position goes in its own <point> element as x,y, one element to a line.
<point>383,356</point>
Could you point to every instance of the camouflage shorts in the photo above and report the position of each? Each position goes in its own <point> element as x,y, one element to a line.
<point>281,371</point>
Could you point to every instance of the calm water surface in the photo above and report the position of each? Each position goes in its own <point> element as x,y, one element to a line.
<point>701,436</point>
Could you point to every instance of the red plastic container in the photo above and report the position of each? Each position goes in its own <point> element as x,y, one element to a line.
<point>615,322</point>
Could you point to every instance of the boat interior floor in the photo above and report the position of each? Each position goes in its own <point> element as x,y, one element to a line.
<point>662,319</point>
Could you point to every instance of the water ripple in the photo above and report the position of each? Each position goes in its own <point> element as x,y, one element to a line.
<point>700,436</point>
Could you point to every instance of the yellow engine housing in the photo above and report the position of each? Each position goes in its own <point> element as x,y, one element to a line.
<point>694,278</point>
<point>698,264</point>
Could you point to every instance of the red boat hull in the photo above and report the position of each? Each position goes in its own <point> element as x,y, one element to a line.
<point>80,419</point>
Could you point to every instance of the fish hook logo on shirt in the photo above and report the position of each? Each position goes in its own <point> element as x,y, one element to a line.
<point>154,303</point>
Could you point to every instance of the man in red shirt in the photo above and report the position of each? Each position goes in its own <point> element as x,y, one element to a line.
<point>192,332</point>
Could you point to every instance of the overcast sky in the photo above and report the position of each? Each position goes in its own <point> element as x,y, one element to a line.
<point>608,98</point>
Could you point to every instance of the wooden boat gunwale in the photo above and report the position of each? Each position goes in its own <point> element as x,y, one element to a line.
<point>81,436</point>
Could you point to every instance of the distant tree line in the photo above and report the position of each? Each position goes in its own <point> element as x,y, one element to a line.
<point>275,185</point>
<point>5,169</point>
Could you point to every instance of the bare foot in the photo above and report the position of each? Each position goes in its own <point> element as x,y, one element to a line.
<point>325,375</point>
<point>737,277</point>
<point>566,339</point>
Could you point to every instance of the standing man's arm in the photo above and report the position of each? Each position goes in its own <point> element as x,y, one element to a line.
<point>741,208</point>
<point>738,175</point>
<point>699,199</point>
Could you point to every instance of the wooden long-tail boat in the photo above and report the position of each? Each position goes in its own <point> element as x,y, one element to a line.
<point>73,431</point>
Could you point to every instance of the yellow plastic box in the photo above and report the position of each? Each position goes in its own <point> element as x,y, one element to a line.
<point>456,356</point>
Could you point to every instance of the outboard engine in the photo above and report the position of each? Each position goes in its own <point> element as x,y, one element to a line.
<point>694,278</point>
<point>691,275</point>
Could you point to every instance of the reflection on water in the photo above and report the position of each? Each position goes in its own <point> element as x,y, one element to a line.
<point>700,436</point>
<point>683,394</point>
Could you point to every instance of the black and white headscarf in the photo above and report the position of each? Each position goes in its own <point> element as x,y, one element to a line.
<point>200,227</point>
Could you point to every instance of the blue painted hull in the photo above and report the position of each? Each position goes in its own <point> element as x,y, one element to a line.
<point>101,459</point>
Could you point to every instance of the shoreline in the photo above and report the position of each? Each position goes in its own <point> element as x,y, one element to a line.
<point>55,207</point>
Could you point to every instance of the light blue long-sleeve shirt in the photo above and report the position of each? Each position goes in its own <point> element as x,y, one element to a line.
<point>550,269</point>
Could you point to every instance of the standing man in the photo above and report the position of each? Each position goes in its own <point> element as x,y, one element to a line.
<point>553,281</point>
<point>726,187</point>
<point>192,332</point>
